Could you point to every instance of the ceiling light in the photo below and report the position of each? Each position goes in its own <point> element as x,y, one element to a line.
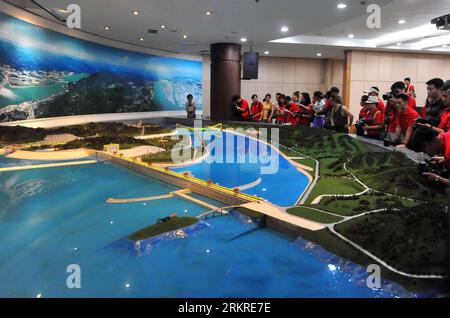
<point>185,36</point>
<point>106,27</point>
<point>135,12</point>
<point>319,54</point>
<point>401,21</point>
<point>266,52</point>
<point>284,29</point>
<point>351,36</point>
<point>208,12</point>
<point>342,6</point>
<point>163,26</point>
<point>141,39</point>
<point>244,40</point>
<point>399,43</point>
<point>445,45</point>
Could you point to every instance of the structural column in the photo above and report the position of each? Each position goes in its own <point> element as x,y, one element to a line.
<point>225,78</point>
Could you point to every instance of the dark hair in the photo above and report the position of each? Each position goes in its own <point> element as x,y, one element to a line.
<point>306,98</point>
<point>404,97</point>
<point>407,79</point>
<point>337,100</point>
<point>398,85</point>
<point>436,82</point>
<point>296,94</point>
<point>446,87</point>
<point>374,87</point>
<point>422,136</point>
<point>268,95</point>
<point>318,94</point>
<point>278,94</point>
<point>288,98</point>
<point>335,90</point>
<point>254,96</point>
<point>190,96</point>
<point>282,96</point>
<point>364,98</point>
<point>235,98</point>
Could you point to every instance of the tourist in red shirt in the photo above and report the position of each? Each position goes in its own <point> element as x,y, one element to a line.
<point>373,119</point>
<point>410,89</point>
<point>306,110</point>
<point>241,107</point>
<point>436,144</point>
<point>364,109</point>
<point>293,111</point>
<point>406,117</point>
<point>280,110</point>
<point>399,88</point>
<point>375,91</point>
<point>256,109</point>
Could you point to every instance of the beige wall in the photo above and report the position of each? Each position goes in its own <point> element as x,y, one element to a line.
<point>285,75</point>
<point>382,69</point>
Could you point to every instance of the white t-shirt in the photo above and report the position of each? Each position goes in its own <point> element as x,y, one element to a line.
<point>190,107</point>
<point>319,106</point>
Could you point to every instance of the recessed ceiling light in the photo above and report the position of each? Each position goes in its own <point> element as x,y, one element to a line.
<point>266,52</point>
<point>208,12</point>
<point>185,36</point>
<point>163,26</point>
<point>351,36</point>
<point>243,39</point>
<point>284,29</point>
<point>141,39</point>
<point>342,6</point>
<point>401,21</point>
<point>319,54</point>
<point>399,43</point>
<point>445,45</point>
<point>135,12</point>
<point>106,27</point>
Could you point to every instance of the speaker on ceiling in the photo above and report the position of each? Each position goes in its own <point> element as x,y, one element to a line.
<point>251,65</point>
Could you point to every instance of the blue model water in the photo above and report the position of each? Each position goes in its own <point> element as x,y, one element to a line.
<point>51,218</point>
<point>282,188</point>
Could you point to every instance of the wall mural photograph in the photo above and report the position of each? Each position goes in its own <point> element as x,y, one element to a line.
<point>47,74</point>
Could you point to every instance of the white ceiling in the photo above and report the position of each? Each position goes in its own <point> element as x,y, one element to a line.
<point>314,26</point>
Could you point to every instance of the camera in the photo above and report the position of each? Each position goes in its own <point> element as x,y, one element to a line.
<point>359,126</point>
<point>429,167</point>
<point>388,96</point>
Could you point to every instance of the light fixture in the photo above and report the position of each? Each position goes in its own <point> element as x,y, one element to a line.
<point>127,285</point>
<point>284,29</point>
<point>106,27</point>
<point>266,52</point>
<point>243,39</point>
<point>163,26</point>
<point>38,295</point>
<point>401,21</point>
<point>208,12</point>
<point>135,12</point>
<point>351,36</point>
<point>141,39</point>
<point>319,54</point>
<point>342,6</point>
<point>185,36</point>
<point>445,45</point>
<point>399,43</point>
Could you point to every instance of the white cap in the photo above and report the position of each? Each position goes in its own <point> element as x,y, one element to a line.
<point>372,90</point>
<point>372,100</point>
